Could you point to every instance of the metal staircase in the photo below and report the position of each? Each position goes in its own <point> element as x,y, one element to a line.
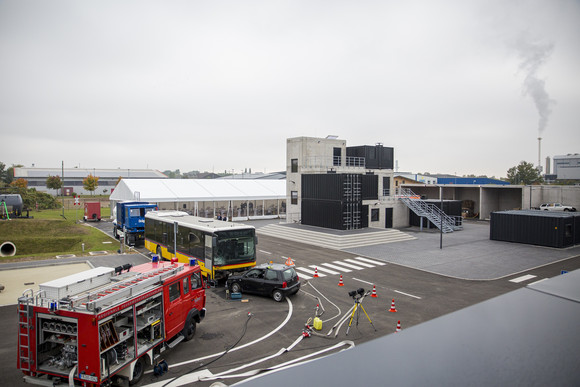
<point>439,218</point>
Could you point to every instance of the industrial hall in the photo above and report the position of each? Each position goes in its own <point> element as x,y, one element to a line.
<point>233,199</point>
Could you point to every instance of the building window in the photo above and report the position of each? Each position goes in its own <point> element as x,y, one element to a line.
<point>294,163</point>
<point>336,156</point>
<point>374,215</point>
<point>294,197</point>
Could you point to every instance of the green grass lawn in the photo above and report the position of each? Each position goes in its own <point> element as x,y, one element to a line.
<point>49,234</point>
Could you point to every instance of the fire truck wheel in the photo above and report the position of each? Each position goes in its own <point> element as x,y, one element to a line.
<point>189,329</point>
<point>138,371</point>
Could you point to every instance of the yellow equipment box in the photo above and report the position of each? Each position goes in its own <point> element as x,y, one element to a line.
<point>317,324</point>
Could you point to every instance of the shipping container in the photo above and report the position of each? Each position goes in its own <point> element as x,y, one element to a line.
<point>376,157</point>
<point>323,213</point>
<point>450,207</point>
<point>543,228</point>
<point>370,187</point>
<point>92,211</point>
<point>334,200</point>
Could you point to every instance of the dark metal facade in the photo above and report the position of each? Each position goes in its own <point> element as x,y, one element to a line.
<point>376,157</point>
<point>551,229</point>
<point>333,200</point>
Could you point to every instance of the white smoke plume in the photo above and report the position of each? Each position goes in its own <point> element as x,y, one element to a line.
<point>533,55</point>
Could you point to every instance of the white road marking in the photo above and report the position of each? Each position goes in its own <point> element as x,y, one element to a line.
<point>340,263</point>
<point>324,270</point>
<point>266,252</point>
<point>522,278</point>
<point>366,282</point>
<point>336,267</point>
<point>307,270</point>
<point>359,263</point>
<point>370,261</point>
<point>407,294</point>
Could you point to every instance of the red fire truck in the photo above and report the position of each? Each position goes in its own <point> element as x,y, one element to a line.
<point>105,325</point>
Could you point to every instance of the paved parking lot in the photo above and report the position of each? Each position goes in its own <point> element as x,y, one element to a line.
<point>272,335</point>
<point>466,254</point>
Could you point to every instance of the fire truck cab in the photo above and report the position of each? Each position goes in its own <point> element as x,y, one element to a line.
<point>105,325</point>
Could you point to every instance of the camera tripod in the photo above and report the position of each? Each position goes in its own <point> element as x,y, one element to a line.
<point>358,296</point>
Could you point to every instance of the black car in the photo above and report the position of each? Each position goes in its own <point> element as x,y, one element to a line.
<point>269,279</point>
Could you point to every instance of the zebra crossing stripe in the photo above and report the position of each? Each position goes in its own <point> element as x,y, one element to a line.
<point>340,263</point>
<point>324,270</point>
<point>337,267</point>
<point>523,278</point>
<point>307,270</point>
<point>303,276</point>
<point>370,261</point>
<point>359,263</point>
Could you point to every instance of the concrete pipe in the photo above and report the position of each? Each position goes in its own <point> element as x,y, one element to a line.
<point>7,249</point>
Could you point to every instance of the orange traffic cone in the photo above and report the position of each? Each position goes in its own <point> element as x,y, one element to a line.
<point>398,326</point>
<point>340,283</point>
<point>374,294</point>
<point>393,306</point>
<point>289,262</point>
<point>315,272</point>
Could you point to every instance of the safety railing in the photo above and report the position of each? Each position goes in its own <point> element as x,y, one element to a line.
<point>436,215</point>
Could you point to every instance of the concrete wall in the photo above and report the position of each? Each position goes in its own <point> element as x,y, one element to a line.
<point>489,198</point>
<point>565,194</point>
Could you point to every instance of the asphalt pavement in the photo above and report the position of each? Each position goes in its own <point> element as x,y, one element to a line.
<point>257,333</point>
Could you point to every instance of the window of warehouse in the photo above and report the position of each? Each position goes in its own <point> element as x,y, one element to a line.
<point>294,163</point>
<point>374,215</point>
<point>294,197</point>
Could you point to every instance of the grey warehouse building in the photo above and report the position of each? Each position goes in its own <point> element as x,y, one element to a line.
<point>73,178</point>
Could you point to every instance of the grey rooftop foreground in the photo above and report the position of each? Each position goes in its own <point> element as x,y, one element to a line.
<point>528,337</point>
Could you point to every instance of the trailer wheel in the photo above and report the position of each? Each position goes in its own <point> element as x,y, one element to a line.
<point>138,371</point>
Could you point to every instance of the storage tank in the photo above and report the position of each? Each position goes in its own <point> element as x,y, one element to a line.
<point>13,203</point>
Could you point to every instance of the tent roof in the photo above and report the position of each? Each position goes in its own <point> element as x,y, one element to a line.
<point>183,190</point>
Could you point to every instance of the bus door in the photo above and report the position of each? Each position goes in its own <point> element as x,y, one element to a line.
<point>210,242</point>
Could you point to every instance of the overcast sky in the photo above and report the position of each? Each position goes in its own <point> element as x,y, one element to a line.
<point>454,86</point>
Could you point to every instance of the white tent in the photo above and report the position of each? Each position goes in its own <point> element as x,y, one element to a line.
<point>208,197</point>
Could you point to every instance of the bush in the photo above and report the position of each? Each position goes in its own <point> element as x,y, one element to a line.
<point>31,197</point>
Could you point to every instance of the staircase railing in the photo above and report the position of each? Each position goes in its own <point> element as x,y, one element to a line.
<point>436,215</point>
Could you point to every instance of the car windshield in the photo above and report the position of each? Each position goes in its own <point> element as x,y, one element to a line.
<point>234,246</point>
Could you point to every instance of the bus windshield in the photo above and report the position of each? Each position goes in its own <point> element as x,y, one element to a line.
<point>234,246</point>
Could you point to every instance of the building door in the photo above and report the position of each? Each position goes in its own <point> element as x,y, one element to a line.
<point>388,218</point>
<point>365,217</point>
<point>386,186</point>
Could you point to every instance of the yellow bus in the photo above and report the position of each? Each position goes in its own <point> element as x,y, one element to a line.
<point>219,247</point>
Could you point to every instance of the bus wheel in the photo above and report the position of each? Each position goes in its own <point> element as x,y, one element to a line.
<point>138,371</point>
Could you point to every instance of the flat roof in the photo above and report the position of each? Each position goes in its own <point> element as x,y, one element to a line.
<point>527,337</point>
